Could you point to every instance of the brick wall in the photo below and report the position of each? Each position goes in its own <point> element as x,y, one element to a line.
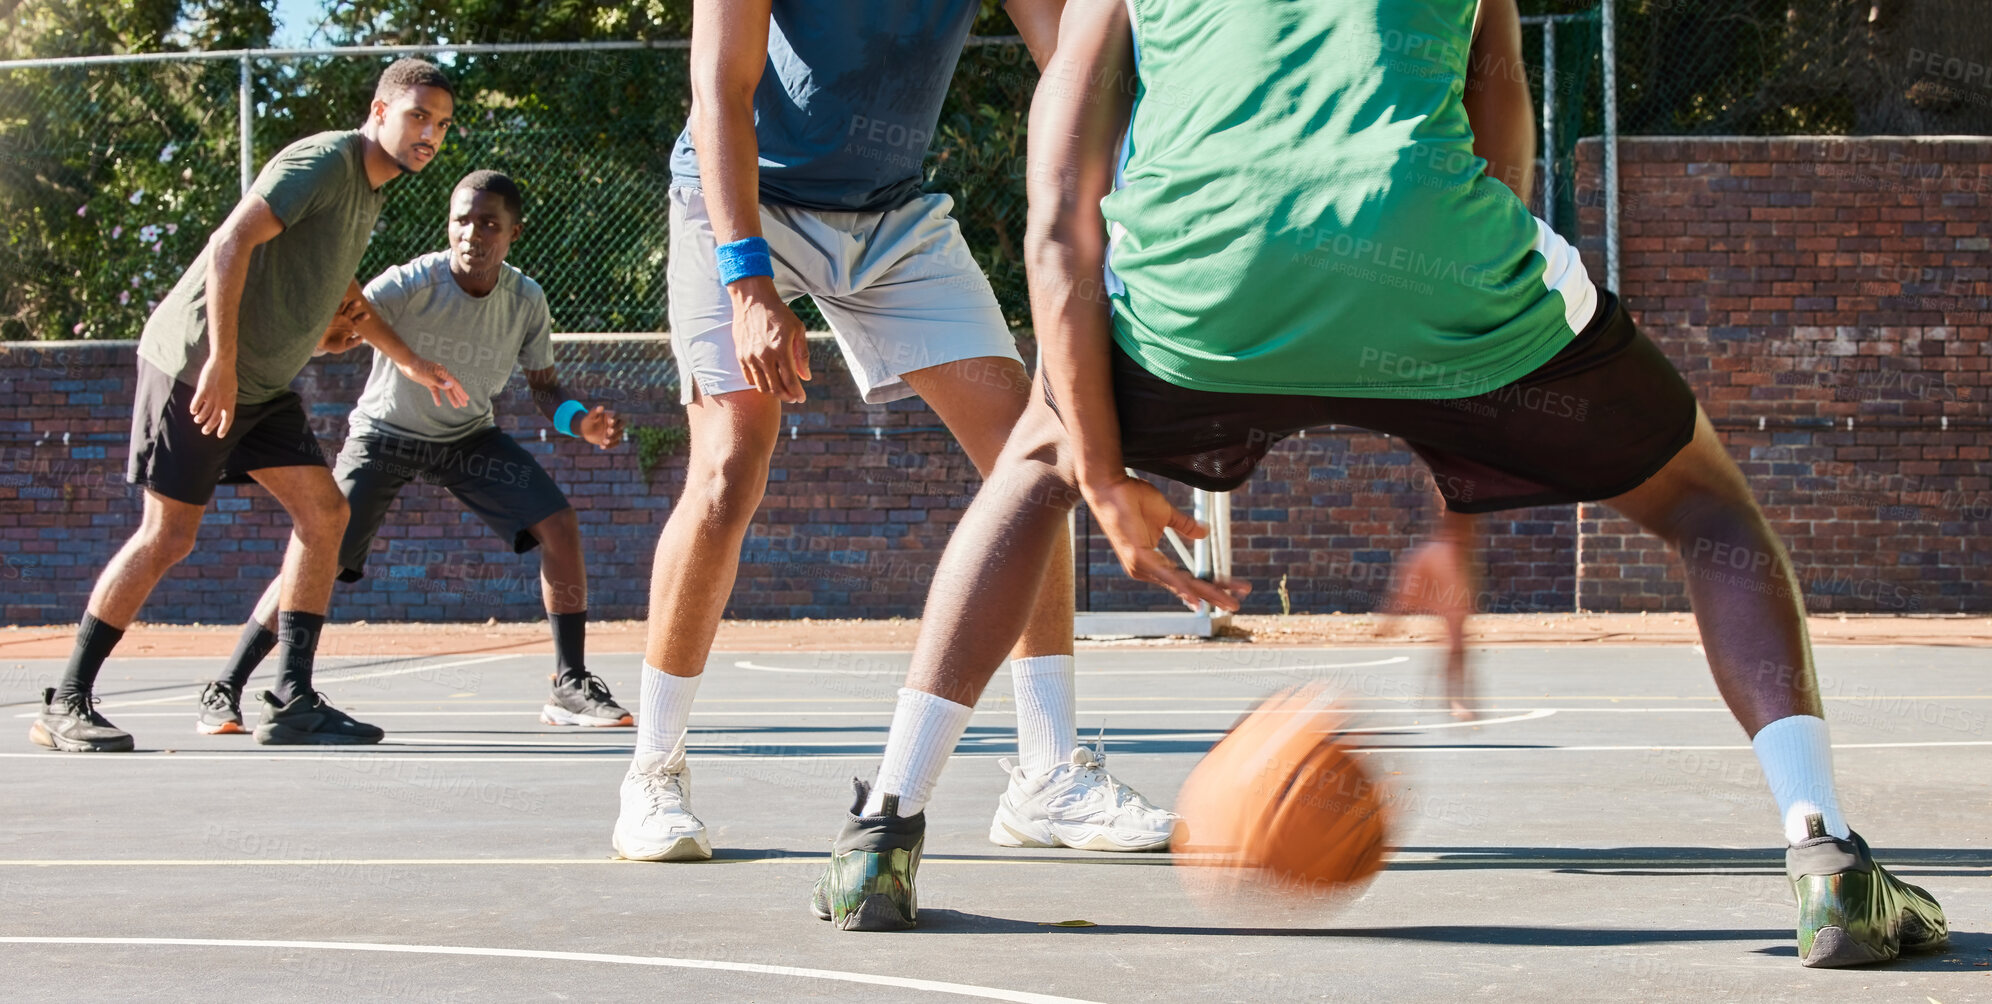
<point>1830,300</point>
<point>1802,283</point>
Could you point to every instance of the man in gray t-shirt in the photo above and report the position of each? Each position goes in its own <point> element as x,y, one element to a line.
<point>469,310</point>
<point>213,402</point>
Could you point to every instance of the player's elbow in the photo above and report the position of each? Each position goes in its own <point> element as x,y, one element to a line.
<point>721,86</point>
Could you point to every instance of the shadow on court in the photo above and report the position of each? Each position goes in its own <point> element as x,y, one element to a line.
<point>958,922</point>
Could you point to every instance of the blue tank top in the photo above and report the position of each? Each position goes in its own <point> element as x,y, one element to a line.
<point>847,106</point>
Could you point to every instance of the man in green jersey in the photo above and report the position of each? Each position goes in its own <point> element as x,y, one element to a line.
<point>1285,224</point>
<point>214,403</point>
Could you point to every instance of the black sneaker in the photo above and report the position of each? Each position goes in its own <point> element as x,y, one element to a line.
<point>584,701</point>
<point>1851,911</point>
<point>869,884</point>
<point>73,725</point>
<point>221,710</point>
<point>310,720</point>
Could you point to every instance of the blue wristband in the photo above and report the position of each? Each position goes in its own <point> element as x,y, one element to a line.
<point>745,257</point>
<point>563,420</point>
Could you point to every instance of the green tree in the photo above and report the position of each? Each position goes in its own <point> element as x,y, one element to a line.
<point>110,177</point>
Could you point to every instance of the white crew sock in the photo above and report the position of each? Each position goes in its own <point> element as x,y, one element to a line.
<point>667,709</point>
<point>925,730</point>
<point>1798,763</point>
<point>1047,709</point>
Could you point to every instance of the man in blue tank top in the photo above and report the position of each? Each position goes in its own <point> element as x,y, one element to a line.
<point>799,173</point>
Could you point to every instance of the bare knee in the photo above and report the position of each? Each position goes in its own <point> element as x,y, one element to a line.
<point>167,541</point>
<point>1037,461</point>
<point>727,480</point>
<point>559,533</point>
<point>1723,533</point>
<point>321,522</point>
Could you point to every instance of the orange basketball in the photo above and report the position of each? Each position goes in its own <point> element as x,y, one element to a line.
<point>1282,805</point>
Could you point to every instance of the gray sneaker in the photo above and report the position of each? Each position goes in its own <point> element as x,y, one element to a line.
<point>310,720</point>
<point>585,701</point>
<point>72,725</point>
<point>221,710</point>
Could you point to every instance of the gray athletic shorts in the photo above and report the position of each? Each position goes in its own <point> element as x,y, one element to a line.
<point>899,288</point>
<point>488,471</point>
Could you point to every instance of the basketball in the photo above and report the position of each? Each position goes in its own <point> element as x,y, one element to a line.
<point>1282,805</point>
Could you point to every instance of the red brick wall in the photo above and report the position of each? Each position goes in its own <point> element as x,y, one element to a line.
<point>1830,300</point>
<point>1797,282</point>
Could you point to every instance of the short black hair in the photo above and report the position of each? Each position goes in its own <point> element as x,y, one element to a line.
<point>404,75</point>
<point>500,184</point>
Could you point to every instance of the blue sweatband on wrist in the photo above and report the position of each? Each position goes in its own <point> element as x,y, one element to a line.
<point>743,258</point>
<point>563,420</point>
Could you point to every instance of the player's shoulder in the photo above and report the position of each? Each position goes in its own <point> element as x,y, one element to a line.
<point>521,285</point>
<point>416,274</point>
<point>331,144</point>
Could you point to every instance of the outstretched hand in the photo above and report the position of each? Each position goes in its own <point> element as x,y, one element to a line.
<point>600,426</point>
<point>343,334</point>
<point>441,384</point>
<point>1133,514</point>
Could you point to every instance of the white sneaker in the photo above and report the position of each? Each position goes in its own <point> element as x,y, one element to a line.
<point>1077,804</point>
<point>656,823</point>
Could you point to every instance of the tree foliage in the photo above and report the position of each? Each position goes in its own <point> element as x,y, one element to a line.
<point>1771,67</point>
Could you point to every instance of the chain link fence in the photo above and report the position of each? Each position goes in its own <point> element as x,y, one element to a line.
<point>1804,67</point>
<point>113,173</point>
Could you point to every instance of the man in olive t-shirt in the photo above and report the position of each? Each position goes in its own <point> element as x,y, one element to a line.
<point>213,402</point>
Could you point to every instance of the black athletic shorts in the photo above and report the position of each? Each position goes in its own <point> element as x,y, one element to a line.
<point>172,456</point>
<point>1595,421</point>
<point>488,471</point>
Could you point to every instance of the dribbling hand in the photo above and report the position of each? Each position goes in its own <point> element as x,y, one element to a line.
<point>1133,514</point>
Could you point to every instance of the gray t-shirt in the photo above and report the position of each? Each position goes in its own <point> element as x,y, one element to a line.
<point>847,105</point>
<point>477,338</point>
<point>318,187</point>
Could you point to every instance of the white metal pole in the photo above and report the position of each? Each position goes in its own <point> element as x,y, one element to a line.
<point>1549,122</point>
<point>245,110</point>
<point>1609,31</point>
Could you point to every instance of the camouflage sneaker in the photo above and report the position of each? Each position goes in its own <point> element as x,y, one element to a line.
<point>1851,911</point>
<point>869,884</point>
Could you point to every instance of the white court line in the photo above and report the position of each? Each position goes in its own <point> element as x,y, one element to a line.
<point>195,695</point>
<point>720,758</point>
<point>1224,670</point>
<point>1212,671</point>
<point>1566,857</point>
<point>934,986</point>
<point>714,758</point>
<point>886,713</point>
<point>1638,748</point>
<point>870,743</point>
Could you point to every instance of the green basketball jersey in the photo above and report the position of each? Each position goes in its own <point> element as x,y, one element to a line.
<point>1298,208</point>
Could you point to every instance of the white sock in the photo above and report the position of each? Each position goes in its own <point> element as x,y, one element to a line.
<point>925,730</point>
<point>666,711</point>
<point>1798,762</point>
<point>1047,709</point>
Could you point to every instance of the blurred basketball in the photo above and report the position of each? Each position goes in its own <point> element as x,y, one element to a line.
<point>1282,806</point>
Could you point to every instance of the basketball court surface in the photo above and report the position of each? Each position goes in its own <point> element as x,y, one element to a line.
<point>1600,832</point>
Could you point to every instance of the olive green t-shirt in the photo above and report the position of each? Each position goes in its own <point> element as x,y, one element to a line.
<point>318,187</point>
